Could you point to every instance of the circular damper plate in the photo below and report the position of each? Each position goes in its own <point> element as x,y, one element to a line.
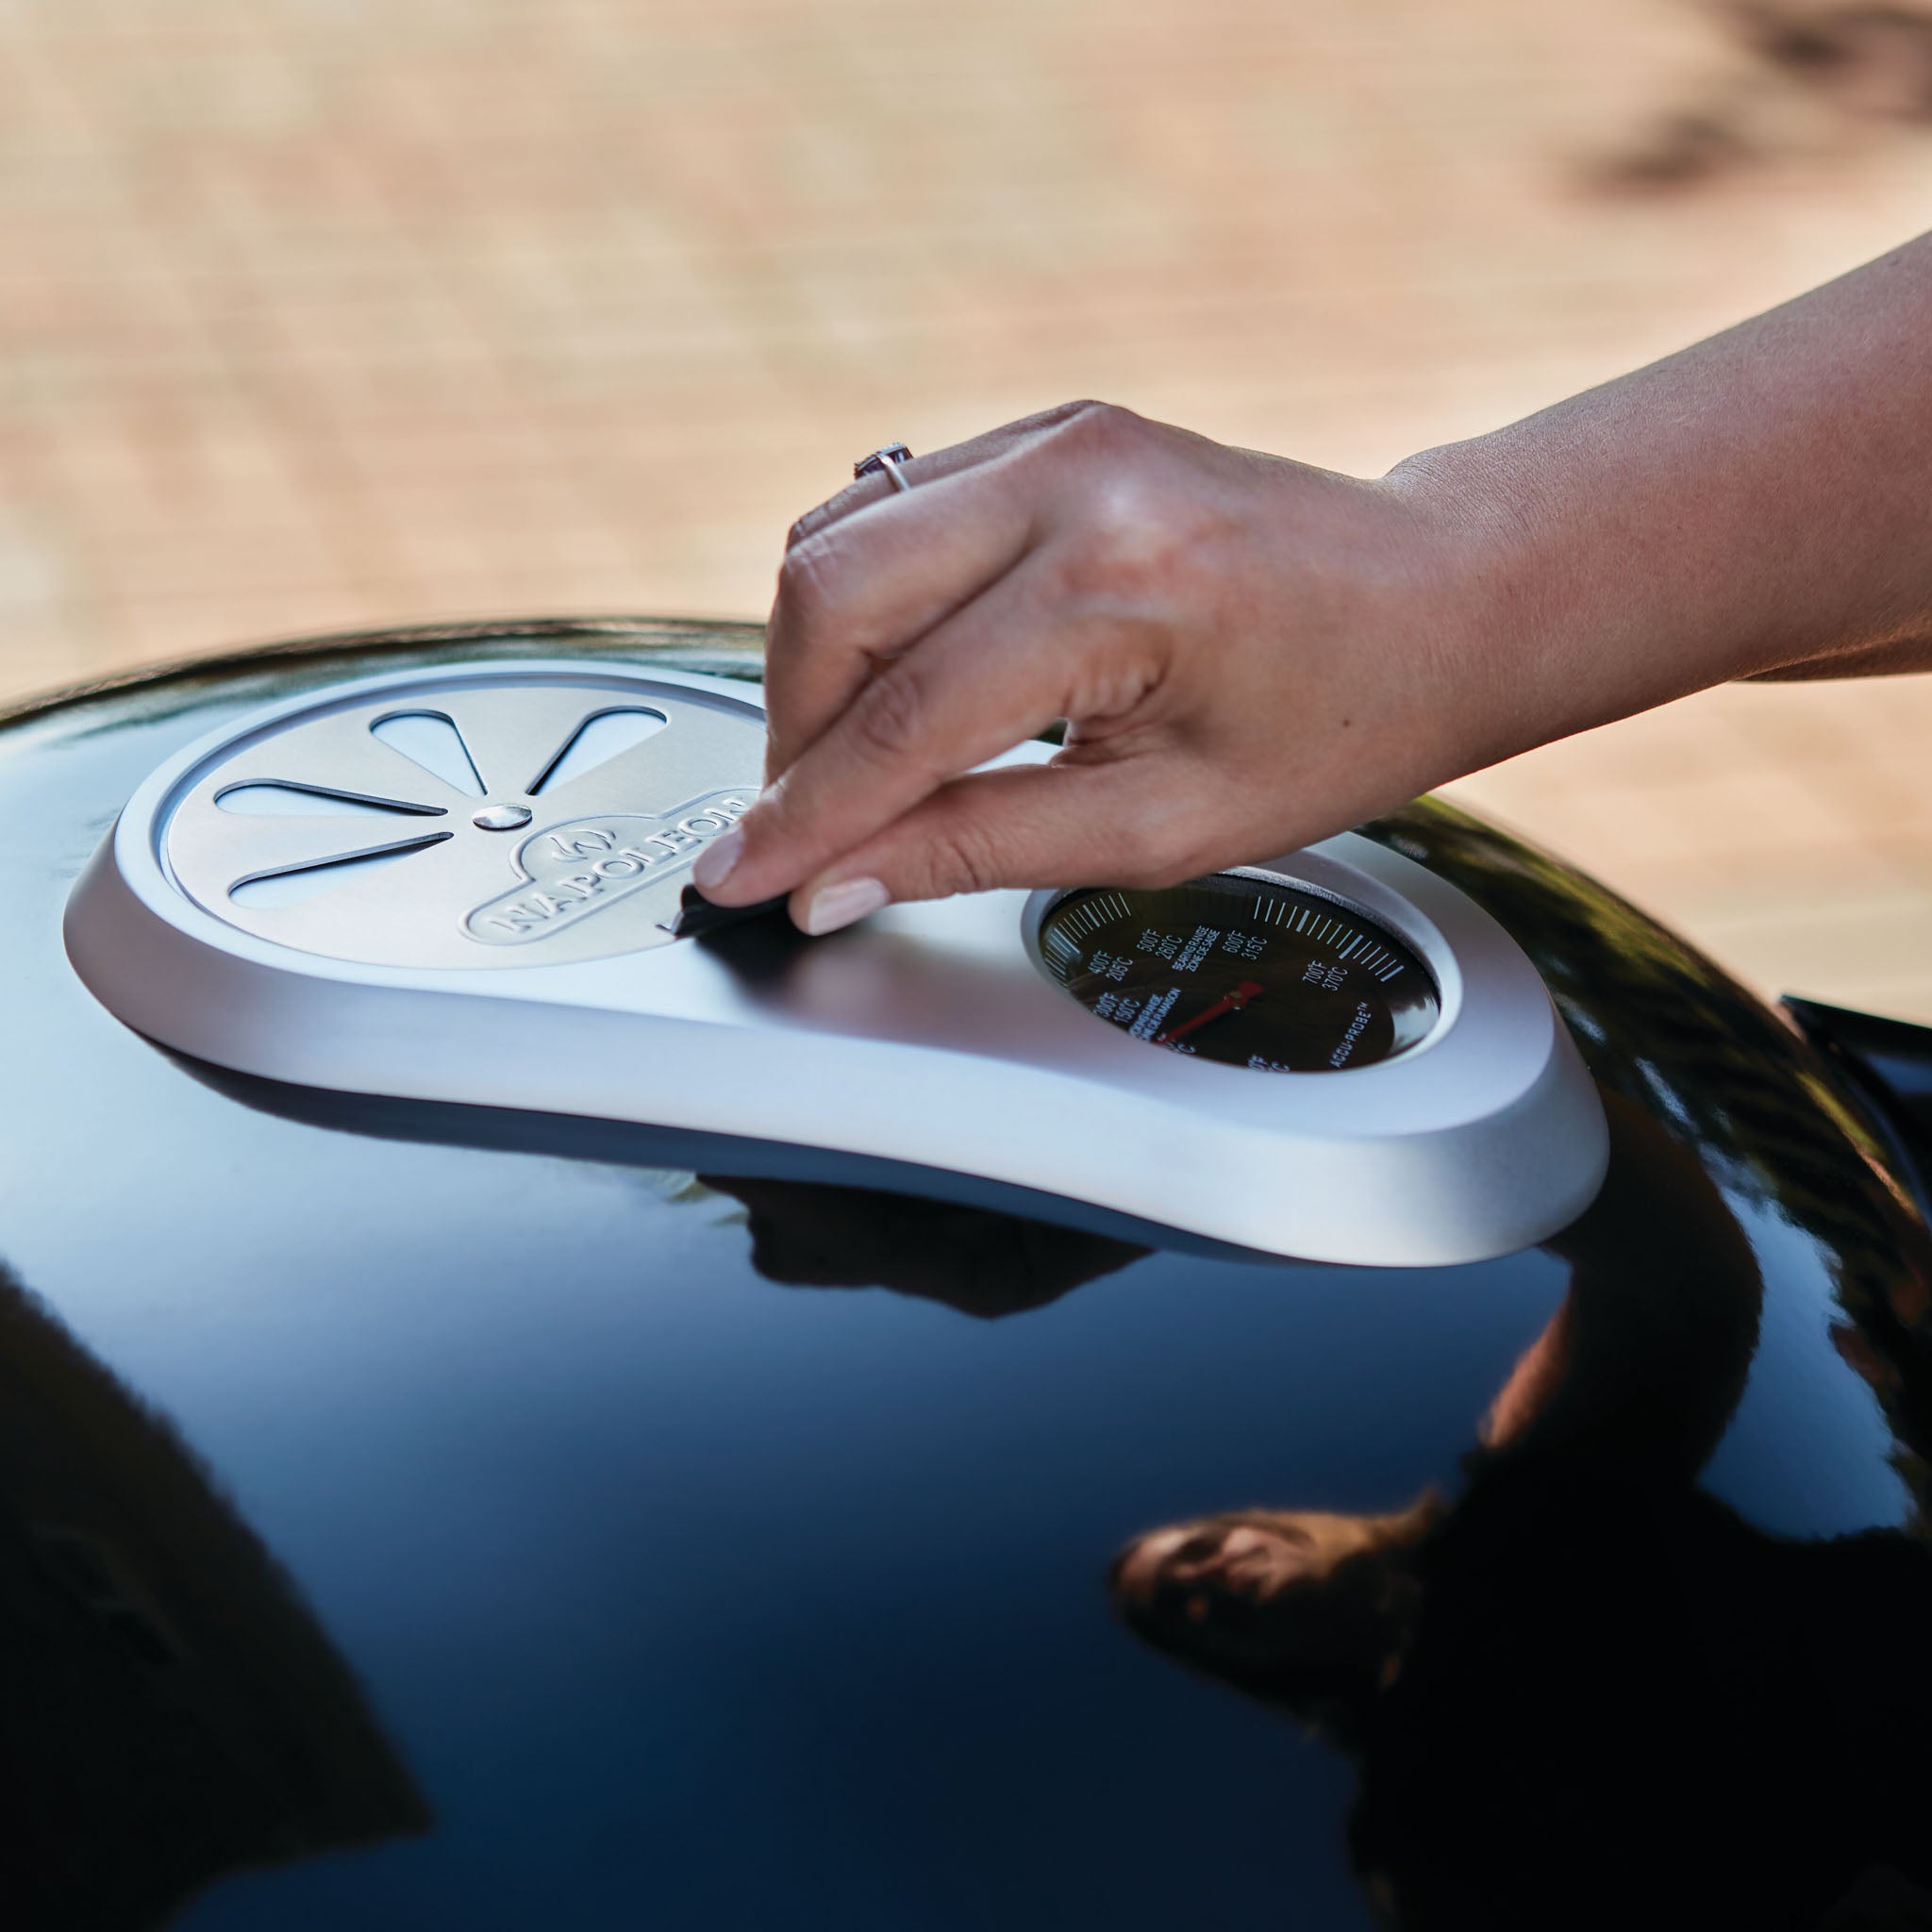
<point>494,818</point>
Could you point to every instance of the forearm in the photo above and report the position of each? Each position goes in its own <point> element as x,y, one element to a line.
<point>1758,505</point>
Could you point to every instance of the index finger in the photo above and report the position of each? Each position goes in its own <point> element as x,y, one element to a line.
<point>872,570</point>
<point>867,589</point>
<point>984,681</point>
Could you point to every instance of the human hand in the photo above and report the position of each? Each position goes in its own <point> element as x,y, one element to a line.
<point>1250,655</point>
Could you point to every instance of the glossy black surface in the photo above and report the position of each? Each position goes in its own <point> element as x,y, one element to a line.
<point>1888,1064</point>
<point>418,1522</point>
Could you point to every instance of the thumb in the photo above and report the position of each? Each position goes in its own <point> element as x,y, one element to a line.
<point>1119,823</point>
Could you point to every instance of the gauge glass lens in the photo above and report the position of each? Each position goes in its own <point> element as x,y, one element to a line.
<point>1242,971</point>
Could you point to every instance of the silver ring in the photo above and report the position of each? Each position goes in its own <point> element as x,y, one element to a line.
<point>885,463</point>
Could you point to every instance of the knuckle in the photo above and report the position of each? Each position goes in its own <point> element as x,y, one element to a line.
<point>1166,856</point>
<point>1149,873</point>
<point>768,822</point>
<point>1091,413</point>
<point>1176,867</point>
<point>826,515</point>
<point>1127,550</point>
<point>1101,428</point>
<point>961,857</point>
<point>1133,548</point>
<point>805,578</point>
<point>1044,426</point>
<point>1198,841</point>
<point>889,717</point>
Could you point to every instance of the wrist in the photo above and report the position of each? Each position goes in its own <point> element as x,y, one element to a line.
<point>1582,592</point>
<point>1482,586</point>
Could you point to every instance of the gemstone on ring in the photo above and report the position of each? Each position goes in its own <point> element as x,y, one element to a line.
<point>885,463</point>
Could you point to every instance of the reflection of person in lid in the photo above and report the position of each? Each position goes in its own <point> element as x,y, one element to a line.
<point>1584,1693</point>
<point>170,1710</point>
<point>806,1234</point>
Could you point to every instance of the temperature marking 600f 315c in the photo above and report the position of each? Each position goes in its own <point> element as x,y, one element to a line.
<point>1372,957</point>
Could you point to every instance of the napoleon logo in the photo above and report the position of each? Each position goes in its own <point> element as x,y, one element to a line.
<point>574,870</point>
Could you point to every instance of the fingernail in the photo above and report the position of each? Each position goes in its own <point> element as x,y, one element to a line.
<point>832,907</point>
<point>714,863</point>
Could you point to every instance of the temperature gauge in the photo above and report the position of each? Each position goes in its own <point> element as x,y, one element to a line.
<point>1245,971</point>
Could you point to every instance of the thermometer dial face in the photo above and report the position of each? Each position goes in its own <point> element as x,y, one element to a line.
<point>1243,971</point>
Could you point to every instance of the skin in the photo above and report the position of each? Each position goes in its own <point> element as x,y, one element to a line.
<point>1253,654</point>
<point>1251,1560</point>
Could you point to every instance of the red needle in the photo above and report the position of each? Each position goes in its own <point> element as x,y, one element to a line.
<point>1230,1003</point>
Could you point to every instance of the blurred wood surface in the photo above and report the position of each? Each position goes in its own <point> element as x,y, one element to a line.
<point>328,314</point>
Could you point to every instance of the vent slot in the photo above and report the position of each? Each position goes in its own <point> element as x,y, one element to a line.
<point>432,740</point>
<point>272,799</point>
<point>300,883</point>
<point>596,741</point>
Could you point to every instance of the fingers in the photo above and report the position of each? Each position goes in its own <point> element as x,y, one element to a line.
<point>858,595</point>
<point>874,570</point>
<point>866,491</point>
<point>1124,823</point>
<point>997,674</point>
<point>919,633</point>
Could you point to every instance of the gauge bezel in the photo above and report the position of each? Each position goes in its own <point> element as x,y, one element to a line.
<point>1321,877</point>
